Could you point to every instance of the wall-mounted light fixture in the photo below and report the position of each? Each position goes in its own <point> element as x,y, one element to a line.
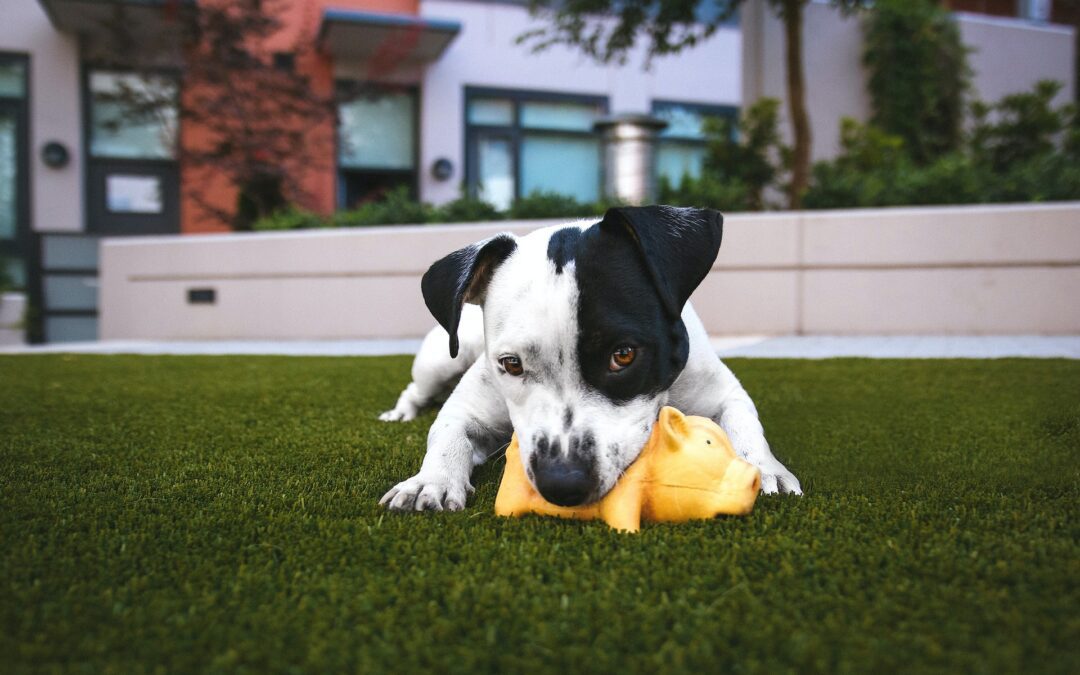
<point>55,155</point>
<point>442,169</point>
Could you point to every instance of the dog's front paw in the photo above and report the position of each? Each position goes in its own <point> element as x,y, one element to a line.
<point>776,478</point>
<point>399,413</point>
<point>426,493</point>
<point>394,415</point>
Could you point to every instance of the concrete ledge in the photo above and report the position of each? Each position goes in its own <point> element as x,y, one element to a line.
<point>1008,269</point>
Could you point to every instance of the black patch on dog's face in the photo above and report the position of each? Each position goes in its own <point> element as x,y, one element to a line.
<point>619,305</point>
<point>562,247</point>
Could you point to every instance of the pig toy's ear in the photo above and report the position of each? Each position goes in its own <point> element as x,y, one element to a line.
<point>673,426</point>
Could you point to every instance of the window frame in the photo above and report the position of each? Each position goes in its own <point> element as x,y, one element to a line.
<point>516,133</point>
<point>341,172</point>
<point>98,218</point>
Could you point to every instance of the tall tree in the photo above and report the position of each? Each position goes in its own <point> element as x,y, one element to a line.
<point>607,30</point>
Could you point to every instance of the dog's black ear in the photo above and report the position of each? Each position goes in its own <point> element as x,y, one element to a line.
<point>679,246</point>
<point>463,277</point>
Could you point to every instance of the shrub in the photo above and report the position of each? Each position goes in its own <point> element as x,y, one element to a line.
<point>466,209</point>
<point>398,208</point>
<point>540,205</point>
<point>290,218</point>
<point>1020,149</point>
<point>1021,127</point>
<point>918,75</point>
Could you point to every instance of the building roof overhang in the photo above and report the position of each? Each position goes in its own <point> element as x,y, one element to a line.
<point>104,23</point>
<point>94,16</point>
<point>404,39</point>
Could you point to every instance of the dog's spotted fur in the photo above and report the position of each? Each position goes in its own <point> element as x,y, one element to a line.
<point>561,299</point>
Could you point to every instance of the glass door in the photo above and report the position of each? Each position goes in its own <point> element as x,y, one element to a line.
<point>14,228</point>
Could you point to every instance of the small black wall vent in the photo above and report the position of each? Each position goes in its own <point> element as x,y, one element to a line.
<point>201,296</point>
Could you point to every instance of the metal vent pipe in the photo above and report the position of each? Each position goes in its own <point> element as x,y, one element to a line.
<point>630,156</point>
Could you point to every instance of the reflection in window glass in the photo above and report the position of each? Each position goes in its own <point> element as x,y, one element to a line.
<point>568,166</point>
<point>12,79</point>
<point>491,111</point>
<point>682,122</point>
<point>680,151</point>
<point>561,116</point>
<point>377,132</point>
<point>675,161</point>
<point>71,292</point>
<point>132,117</point>
<point>8,177</point>
<point>133,194</point>
<point>496,172</point>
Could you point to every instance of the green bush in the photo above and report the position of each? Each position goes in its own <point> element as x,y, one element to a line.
<point>466,209</point>
<point>291,218</point>
<point>1022,127</point>
<point>918,75</point>
<point>398,208</point>
<point>1020,149</point>
<point>538,205</point>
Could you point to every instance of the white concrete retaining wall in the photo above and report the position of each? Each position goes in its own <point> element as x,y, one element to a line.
<point>974,270</point>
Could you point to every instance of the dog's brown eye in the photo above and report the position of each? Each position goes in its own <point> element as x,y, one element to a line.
<point>621,358</point>
<point>512,365</point>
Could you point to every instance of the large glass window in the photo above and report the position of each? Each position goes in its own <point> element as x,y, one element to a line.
<point>376,144</point>
<point>680,151</point>
<point>132,116</point>
<point>520,143</point>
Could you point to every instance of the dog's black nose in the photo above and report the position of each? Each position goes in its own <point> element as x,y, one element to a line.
<point>564,481</point>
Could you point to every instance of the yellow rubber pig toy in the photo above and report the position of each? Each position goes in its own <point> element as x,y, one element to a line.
<point>687,471</point>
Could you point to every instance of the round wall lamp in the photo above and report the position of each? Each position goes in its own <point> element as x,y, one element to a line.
<point>442,169</point>
<point>55,155</point>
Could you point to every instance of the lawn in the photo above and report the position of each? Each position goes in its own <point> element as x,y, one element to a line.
<point>218,514</point>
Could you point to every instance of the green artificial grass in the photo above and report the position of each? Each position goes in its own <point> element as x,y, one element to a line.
<point>218,514</point>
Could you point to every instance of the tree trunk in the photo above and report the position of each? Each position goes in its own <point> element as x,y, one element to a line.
<point>792,15</point>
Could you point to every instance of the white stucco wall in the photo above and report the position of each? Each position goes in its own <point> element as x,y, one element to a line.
<point>485,55</point>
<point>56,195</point>
<point>1008,56</point>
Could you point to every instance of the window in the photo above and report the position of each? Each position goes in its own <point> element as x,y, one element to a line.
<point>131,116</point>
<point>132,131</point>
<point>518,143</point>
<point>376,145</point>
<point>680,151</point>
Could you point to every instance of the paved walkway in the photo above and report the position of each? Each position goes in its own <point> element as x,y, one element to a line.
<point>799,347</point>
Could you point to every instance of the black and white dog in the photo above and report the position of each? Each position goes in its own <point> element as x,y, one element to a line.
<point>585,332</point>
